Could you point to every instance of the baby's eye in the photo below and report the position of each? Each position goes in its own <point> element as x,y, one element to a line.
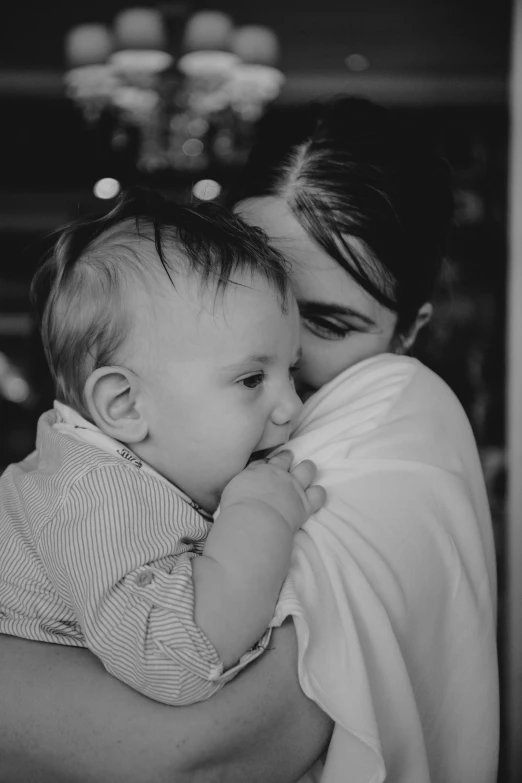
<point>253,381</point>
<point>326,329</point>
<point>293,369</point>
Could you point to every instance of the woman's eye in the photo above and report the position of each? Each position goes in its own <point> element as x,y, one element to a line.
<point>293,369</point>
<point>253,381</point>
<point>326,329</point>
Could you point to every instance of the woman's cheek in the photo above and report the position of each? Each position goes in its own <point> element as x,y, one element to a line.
<point>318,364</point>
<point>324,360</point>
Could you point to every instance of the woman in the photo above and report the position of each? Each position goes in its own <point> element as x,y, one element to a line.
<point>362,214</point>
<point>402,557</point>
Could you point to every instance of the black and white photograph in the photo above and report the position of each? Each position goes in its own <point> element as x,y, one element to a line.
<point>260,391</point>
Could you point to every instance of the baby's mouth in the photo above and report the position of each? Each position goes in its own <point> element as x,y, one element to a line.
<point>262,453</point>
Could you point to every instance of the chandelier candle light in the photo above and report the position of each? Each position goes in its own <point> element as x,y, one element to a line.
<point>191,108</point>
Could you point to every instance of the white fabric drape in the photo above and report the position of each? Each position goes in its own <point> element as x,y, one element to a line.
<point>392,585</point>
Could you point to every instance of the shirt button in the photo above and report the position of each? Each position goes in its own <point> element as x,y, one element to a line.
<point>145,578</point>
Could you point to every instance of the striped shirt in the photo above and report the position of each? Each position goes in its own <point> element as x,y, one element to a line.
<point>95,551</point>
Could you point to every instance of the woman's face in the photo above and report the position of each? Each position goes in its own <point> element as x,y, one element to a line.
<point>341,324</point>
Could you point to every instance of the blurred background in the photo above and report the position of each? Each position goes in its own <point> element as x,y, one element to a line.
<point>202,100</point>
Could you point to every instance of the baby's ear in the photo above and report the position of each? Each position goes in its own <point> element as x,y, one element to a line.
<point>111,396</point>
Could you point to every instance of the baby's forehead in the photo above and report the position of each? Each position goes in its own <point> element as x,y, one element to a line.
<point>176,273</point>
<point>215,330</point>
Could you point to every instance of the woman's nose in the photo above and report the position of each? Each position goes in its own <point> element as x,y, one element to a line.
<point>289,406</point>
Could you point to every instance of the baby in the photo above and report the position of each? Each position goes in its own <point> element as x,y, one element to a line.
<point>171,334</point>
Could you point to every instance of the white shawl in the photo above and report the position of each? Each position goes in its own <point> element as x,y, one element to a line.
<point>392,584</point>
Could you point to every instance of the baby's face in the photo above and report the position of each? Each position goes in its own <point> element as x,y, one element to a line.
<point>215,377</point>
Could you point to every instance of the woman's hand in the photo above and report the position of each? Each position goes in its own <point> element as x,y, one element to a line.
<point>65,720</point>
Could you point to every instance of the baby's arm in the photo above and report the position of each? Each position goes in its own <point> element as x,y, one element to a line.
<point>122,560</point>
<point>247,553</point>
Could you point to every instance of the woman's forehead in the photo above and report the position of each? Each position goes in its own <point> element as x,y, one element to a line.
<point>272,214</point>
<point>316,276</point>
<point>320,279</point>
<point>312,268</point>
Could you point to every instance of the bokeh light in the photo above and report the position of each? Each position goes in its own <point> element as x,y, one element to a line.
<point>192,147</point>
<point>206,189</point>
<point>107,188</point>
<point>357,62</point>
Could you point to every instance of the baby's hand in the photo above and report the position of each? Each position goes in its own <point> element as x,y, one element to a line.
<point>287,491</point>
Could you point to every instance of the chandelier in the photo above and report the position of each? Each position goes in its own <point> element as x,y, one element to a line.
<point>189,89</point>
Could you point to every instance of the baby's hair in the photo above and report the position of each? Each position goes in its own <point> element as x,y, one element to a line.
<point>79,291</point>
<point>361,175</point>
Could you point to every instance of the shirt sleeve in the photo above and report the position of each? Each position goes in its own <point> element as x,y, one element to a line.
<point>119,551</point>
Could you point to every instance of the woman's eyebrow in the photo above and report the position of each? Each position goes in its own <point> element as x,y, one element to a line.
<point>309,307</point>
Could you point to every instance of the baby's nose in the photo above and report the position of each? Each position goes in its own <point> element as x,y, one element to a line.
<point>289,407</point>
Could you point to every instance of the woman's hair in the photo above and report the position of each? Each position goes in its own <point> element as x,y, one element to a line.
<point>80,292</point>
<point>362,177</point>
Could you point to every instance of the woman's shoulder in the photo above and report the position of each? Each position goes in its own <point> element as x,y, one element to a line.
<point>390,406</point>
<point>380,389</point>
<point>419,405</point>
<point>421,397</point>
<point>394,375</point>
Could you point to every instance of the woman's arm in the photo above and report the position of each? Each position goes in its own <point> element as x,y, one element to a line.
<point>63,719</point>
